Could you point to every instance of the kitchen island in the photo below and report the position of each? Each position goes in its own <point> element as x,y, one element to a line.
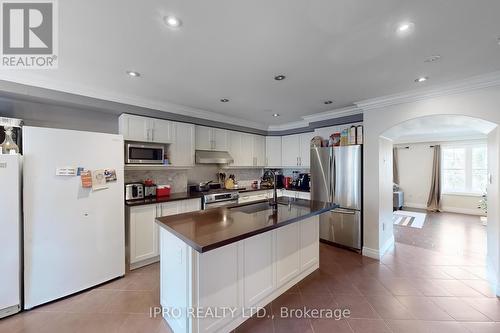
<point>218,266</point>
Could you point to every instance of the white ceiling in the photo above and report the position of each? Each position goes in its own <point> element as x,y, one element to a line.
<point>440,128</point>
<point>342,50</point>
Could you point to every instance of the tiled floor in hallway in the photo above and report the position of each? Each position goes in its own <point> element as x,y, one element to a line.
<point>413,289</point>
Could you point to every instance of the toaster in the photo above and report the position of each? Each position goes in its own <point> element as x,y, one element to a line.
<point>134,191</point>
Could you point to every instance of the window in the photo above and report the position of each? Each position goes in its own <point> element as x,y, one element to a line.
<point>464,168</point>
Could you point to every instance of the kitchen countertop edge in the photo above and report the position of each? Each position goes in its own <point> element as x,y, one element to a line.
<point>218,244</point>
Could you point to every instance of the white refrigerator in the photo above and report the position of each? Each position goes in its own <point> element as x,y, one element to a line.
<point>10,234</point>
<point>74,237</point>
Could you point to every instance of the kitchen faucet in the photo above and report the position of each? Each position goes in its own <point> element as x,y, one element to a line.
<point>274,201</point>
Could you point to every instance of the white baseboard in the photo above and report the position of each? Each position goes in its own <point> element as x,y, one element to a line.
<point>467,211</point>
<point>447,209</point>
<point>492,276</point>
<point>414,205</point>
<point>378,254</point>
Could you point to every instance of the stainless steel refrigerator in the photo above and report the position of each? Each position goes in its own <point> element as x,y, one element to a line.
<point>336,176</point>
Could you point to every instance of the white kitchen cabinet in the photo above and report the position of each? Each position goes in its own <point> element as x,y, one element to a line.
<point>258,260</point>
<point>259,150</point>
<point>143,230</point>
<point>220,139</point>
<point>290,150</point>
<point>209,138</point>
<point>252,196</point>
<point>143,233</point>
<point>273,151</point>
<point>296,194</point>
<point>295,150</point>
<point>309,244</point>
<point>305,149</point>
<point>161,131</point>
<point>182,147</point>
<point>145,129</point>
<point>246,149</point>
<point>287,253</point>
<point>134,128</point>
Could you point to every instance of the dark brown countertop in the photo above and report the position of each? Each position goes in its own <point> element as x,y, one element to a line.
<point>213,228</point>
<point>171,197</point>
<point>250,189</point>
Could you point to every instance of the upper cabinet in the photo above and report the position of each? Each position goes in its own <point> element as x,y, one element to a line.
<point>208,138</point>
<point>295,150</point>
<point>137,128</point>
<point>247,150</point>
<point>182,147</point>
<point>273,151</point>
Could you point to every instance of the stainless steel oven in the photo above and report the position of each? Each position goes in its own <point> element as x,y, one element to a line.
<point>220,199</point>
<point>138,153</point>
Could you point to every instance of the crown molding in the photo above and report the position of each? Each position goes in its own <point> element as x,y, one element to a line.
<point>335,113</point>
<point>456,87</point>
<point>30,85</point>
<point>288,126</point>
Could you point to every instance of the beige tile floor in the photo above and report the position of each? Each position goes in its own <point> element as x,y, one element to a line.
<point>413,289</point>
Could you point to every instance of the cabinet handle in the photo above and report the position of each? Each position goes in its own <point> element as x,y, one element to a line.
<point>300,160</point>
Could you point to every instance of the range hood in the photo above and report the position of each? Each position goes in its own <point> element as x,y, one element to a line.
<point>212,157</point>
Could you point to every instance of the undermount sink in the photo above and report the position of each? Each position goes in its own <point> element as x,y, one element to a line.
<point>255,207</point>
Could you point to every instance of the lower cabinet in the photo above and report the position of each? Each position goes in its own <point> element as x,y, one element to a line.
<point>287,253</point>
<point>297,194</point>
<point>243,276</point>
<point>143,231</point>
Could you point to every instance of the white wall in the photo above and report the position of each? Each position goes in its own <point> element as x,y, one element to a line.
<point>415,174</point>
<point>480,103</point>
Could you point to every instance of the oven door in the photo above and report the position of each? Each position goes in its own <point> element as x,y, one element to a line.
<point>144,154</point>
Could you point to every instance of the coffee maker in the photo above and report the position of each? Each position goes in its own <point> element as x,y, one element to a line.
<point>304,182</point>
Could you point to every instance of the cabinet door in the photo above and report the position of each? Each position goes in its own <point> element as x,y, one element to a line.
<point>309,242</point>
<point>290,150</point>
<point>135,128</point>
<point>246,157</point>
<point>287,253</point>
<point>219,139</point>
<point>305,149</point>
<point>234,147</point>
<point>182,148</point>
<point>191,205</point>
<point>161,131</point>
<point>143,233</point>
<point>204,140</point>
<point>259,150</point>
<point>304,195</point>
<point>273,151</point>
<point>258,267</point>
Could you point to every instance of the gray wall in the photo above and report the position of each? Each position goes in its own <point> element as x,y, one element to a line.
<point>49,108</point>
<point>45,115</point>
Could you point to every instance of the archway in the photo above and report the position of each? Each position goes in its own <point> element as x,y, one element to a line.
<point>479,105</point>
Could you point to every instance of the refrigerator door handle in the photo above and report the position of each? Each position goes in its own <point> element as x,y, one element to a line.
<point>343,211</point>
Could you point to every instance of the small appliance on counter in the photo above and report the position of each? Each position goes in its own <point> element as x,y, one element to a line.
<point>149,188</point>
<point>304,182</point>
<point>163,190</point>
<point>134,191</point>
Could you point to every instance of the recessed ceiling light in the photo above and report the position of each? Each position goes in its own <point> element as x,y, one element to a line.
<point>133,74</point>
<point>224,100</point>
<point>433,58</point>
<point>421,79</point>
<point>276,114</point>
<point>405,28</point>
<point>280,77</point>
<point>328,102</point>
<point>172,21</point>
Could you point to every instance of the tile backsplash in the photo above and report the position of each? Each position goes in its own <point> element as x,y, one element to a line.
<point>178,179</point>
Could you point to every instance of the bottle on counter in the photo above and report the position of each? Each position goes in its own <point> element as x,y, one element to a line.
<point>352,135</point>
<point>8,145</point>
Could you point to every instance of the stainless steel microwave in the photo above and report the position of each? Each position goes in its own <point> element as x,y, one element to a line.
<point>138,153</point>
